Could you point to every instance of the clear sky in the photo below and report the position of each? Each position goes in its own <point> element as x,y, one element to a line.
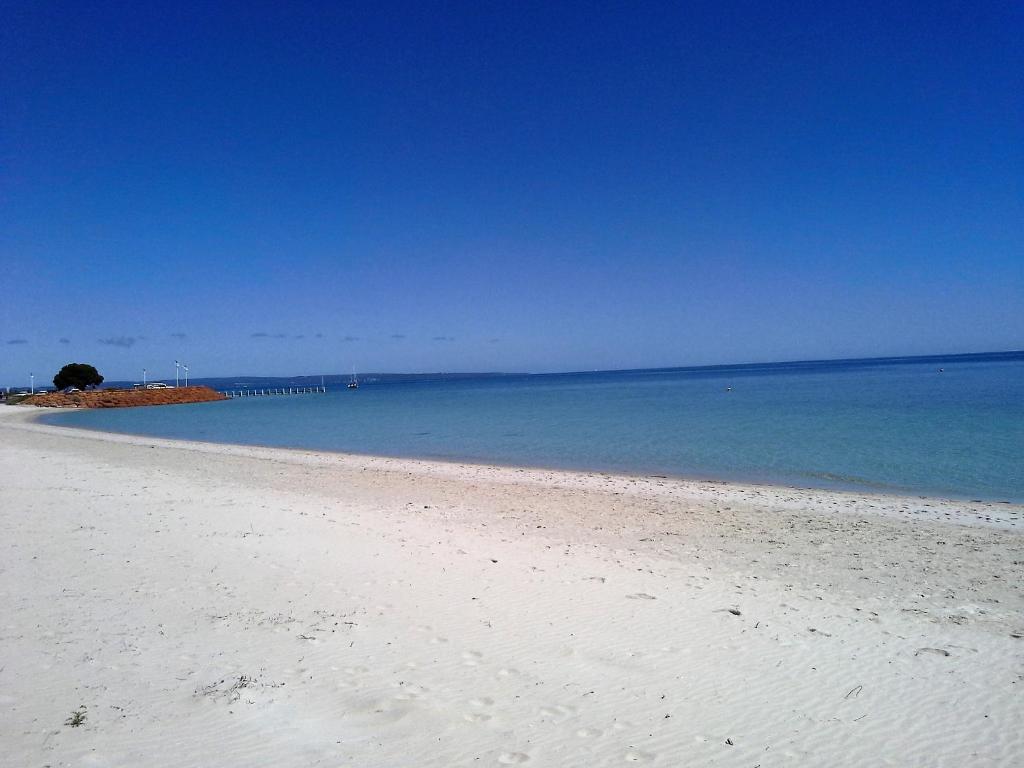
<point>285,188</point>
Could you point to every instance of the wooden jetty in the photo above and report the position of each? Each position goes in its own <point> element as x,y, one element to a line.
<point>275,391</point>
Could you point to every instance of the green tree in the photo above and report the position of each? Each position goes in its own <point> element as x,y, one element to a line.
<point>79,375</point>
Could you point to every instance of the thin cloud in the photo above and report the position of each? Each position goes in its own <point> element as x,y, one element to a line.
<point>64,341</point>
<point>398,336</point>
<point>300,336</point>
<point>444,338</point>
<point>350,338</point>
<point>17,341</point>
<point>120,341</point>
<point>259,335</point>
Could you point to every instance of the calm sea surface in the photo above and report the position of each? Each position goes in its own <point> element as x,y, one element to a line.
<point>889,426</point>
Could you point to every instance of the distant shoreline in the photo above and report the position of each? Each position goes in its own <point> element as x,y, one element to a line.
<point>340,379</point>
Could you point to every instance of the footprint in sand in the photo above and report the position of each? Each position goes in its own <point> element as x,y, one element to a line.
<point>558,713</point>
<point>471,658</point>
<point>638,756</point>
<point>480,702</point>
<point>588,733</point>
<point>410,692</point>
<point>513,758</point>
<point>641,596</point>
<point>936,651</point>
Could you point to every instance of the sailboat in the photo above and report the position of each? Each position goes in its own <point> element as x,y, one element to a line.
<point>354,382</point>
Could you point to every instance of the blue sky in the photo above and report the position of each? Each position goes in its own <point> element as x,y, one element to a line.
<point>300,188</point>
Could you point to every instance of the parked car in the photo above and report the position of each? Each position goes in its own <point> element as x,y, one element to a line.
<point>158,385</point>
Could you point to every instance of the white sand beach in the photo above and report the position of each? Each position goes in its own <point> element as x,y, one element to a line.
<point>203,605</point>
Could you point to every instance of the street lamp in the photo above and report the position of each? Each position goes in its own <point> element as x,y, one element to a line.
<point>186,373</point>
<point>32,379</point>
<point>177,365</point>
<point>143,377</point>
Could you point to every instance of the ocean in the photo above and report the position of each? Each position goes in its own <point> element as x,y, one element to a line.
<point>893,425</point>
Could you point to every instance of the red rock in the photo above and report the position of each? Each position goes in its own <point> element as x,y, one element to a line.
<point>126,398</point>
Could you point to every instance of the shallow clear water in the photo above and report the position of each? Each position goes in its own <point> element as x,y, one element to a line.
<point>902,427</point>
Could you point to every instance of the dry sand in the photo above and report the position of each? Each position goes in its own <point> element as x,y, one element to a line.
<point>208,605</point>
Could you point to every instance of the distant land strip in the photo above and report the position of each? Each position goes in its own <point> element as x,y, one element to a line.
<point>124,398</point>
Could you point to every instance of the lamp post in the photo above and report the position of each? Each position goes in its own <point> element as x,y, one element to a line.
<point>32,380</point>
<point>143,377</point>
<point>177,365</point>
<point>186,373</point>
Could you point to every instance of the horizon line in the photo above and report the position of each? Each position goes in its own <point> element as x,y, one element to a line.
<point>668,368</point>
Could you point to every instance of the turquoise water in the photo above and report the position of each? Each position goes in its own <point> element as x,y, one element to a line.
<point>896,426</point>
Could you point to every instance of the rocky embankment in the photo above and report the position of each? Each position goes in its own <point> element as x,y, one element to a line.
<point>125,398</point>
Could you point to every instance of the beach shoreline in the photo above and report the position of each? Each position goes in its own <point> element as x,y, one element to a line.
<point>979,506</point>
<point>277,606</point>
